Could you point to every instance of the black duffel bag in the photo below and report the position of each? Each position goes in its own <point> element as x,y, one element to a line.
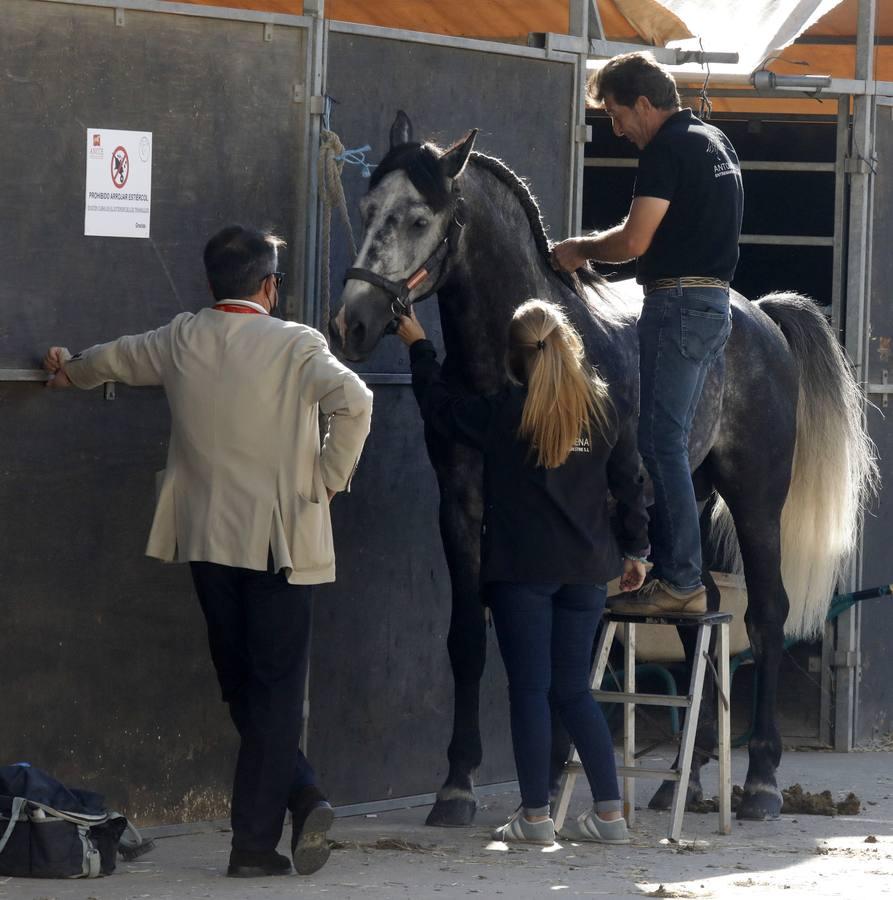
<point>48,830</point>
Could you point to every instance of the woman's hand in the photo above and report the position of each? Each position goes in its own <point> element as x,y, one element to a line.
<point>409,330</point>
<point>633,575</point>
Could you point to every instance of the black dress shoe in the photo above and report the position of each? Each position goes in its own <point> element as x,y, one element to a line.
<point>309,842</point>
<point>257,863</point>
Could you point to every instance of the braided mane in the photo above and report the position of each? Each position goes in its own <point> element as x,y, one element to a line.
<point>521,191</point>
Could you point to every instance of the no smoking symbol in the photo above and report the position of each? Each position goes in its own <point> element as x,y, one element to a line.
<point>120,167</point>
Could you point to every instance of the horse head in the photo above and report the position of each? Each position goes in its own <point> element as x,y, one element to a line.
<point>411,224</point>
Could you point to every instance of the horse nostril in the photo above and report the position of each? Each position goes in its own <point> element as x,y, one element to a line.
<point>357,333</point>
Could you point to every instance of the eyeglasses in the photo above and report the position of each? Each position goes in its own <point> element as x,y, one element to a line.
<point>278,277</point>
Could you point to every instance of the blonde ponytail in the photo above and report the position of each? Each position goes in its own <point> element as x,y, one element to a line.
<point>565,397</point>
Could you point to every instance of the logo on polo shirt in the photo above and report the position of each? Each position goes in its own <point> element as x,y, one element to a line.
<point>582,445</point>
<point>716,148</point>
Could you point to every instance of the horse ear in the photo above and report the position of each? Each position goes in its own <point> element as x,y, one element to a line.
<point>453,160</point>
<point>401,130</point>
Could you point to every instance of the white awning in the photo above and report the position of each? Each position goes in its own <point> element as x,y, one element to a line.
<point>755,29</point>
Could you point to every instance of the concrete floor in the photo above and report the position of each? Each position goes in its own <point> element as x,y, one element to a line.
<point>392,854</point>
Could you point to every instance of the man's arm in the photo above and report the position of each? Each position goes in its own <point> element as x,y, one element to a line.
<point>631,238</point>
<point>135,359</point>
<point>347,402</point>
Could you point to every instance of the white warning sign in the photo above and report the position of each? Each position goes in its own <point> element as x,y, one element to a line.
<point>119,183</point>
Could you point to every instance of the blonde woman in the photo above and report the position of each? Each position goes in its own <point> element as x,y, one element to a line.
<point>552,450</point>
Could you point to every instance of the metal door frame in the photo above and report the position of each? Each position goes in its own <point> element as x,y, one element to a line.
<point>578,131</point>
<point>307,187</point>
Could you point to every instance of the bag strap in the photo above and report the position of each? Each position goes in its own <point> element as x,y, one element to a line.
<point>14,813</point>
<point>92,857</point>
<point>85,819</point>
<point>132,844</point>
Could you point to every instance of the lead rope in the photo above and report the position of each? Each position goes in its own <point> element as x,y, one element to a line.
<point>331,162</point>
<point>705,109</point>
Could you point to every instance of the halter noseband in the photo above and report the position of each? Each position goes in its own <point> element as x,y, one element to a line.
<point>399,291</point>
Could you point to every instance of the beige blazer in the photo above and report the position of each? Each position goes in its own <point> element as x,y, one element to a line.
<point>245,473</point>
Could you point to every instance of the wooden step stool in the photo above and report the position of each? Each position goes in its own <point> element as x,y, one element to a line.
<point>692,703</point>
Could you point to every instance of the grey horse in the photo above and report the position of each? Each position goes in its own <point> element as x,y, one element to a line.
<point>778,449</point>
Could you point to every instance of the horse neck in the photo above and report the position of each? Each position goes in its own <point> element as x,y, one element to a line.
<point>497,266</point>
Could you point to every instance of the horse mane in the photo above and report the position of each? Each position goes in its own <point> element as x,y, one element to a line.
<point>420,162</point>
<point>522,193</point>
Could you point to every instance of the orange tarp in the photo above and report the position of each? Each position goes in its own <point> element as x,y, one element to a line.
<point>492,19</point>
<point>512,20</point>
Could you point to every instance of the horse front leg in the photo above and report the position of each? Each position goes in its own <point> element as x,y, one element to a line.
<point>460,517</point>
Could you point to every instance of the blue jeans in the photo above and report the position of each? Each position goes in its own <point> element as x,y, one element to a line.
<point>681,332</point>
<point>546,633</point>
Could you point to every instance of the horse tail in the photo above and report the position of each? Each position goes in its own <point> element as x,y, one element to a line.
<point>834,469</point>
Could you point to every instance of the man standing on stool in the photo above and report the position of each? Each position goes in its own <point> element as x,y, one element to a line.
<point>245,500</point>
<point>683,228</point>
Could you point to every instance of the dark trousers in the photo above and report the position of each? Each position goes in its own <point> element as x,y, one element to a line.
<point>681,332</point>
<point>259,634</point>
<point>546,633</point>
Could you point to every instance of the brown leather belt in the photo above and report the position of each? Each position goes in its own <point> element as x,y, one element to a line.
<point>685,281</point>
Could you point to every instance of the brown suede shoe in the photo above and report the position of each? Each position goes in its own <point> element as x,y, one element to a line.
<point>311,819</point>
<point>657,598</point>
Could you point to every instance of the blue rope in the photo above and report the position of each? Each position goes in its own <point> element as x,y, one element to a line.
<point>357,157</point>
<point>354,157</point>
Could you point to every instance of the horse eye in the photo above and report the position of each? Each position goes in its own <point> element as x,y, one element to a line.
<point>420,223</point>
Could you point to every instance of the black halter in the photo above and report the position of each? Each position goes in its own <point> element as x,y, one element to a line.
<point>399,291</point>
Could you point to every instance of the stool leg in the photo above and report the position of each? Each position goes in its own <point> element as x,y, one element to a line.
<point>601,655</point>
<point>724,716</point>
<point>568,780</point>
<point>689,731</point>
<point>629,722</point>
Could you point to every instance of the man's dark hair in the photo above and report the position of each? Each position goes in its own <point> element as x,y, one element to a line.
<point>237,259</point>
<point>634,75</point>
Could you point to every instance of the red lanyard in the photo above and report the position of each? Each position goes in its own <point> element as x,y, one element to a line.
<point>230,307</point>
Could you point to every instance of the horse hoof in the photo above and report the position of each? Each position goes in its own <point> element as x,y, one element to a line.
<point>760,805</point>
<point>663,796</point>
<point>453,813</point>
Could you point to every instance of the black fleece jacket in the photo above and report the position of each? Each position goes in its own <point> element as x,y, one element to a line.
<point>540,525</point>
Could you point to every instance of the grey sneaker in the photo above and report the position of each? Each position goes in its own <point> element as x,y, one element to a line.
<point>589,827</point>
<point>656,597</point>
<point>520,830</point>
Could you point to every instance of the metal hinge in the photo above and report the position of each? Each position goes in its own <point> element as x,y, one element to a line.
<point>845,659</point>
<point>297,92</point>
<point>583,134</point>
<point>119,16</point>
<point>268,32</point>
<point>884,388</point>
<point>856,165</point>
<point>317,105</point>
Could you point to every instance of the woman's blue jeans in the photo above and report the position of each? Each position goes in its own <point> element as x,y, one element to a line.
<point>546,633</point>
<point>681,332</point>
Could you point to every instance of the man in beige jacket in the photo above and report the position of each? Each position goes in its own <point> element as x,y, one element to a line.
<point>245,500</point>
